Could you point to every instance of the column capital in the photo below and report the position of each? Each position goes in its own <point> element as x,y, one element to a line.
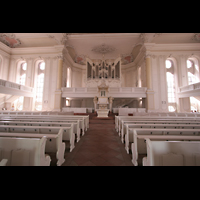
<point>60,57</point>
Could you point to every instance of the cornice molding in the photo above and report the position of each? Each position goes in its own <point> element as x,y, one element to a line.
<point>176,47</point>
<point>37,50</point>
<point>97,35</point>
<point>5,48</point>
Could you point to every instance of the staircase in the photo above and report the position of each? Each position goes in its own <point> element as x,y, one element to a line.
<point>124,102</point>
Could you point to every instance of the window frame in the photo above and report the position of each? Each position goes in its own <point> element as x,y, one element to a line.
<point>39,86</point>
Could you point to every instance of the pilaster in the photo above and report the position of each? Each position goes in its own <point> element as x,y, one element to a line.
<point>150,106</point>
<point>58,92</point>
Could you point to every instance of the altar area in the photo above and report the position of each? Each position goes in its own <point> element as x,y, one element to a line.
<point>103,110</point>
<point>103,101</point>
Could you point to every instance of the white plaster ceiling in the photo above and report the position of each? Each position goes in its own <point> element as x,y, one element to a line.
<point>123,43</point>
<point>82,44</point>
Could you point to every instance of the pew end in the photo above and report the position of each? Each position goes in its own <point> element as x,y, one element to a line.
<point>3,162</point>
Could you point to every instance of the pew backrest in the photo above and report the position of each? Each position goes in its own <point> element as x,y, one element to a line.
<point>52,118</point>
<point>53,143</point>
<point>172,153</point>
<point>120,121</point>
<point>68,134</point>
<point>131,124</point>
<point>51,124</point>
<point>139,145</point>
<point>129,137</point>
<point>24,151</point>
<point>3,162</point>
<point>44,120</point>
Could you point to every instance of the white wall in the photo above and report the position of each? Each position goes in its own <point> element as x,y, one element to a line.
<point>158,54</point>
<point>10,63</point>
<point>76,78</point>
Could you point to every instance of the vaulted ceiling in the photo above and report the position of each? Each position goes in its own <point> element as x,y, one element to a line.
<point>94,45</point>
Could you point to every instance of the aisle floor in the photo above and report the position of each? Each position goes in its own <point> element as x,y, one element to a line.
<point>100,146</point>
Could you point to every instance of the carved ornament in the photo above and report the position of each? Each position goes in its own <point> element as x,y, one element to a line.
<point>103,49</point>
<point>10,40</point>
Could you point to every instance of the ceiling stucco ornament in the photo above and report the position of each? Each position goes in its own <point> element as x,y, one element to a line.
<point>148,37</point>
<point>126,58</point>
<point>196,37</point>
<point>80,59</point>
<point>9,39</point>
<point>103,49</point>
<point>54,38</point>
<point>64,39</point>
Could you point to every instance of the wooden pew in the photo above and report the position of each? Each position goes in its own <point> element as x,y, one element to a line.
<point>54,142</point>
<point>57,120</point>
<point>129,136</point>
<point>131,124</point>
<point>172,153</point>
<point>24,151</point>
<point>51,124</point>
<point>85,118</point>
<point>155,119</point>
<point>3,162</point>
<point>139,145</point>
<point>68,134</point>
<point>139,118</point>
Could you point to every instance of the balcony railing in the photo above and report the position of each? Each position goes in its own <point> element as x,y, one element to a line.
<point>190,87</point>
<point>112,91</point>
<point>189,90</point>
<point>6,85</point>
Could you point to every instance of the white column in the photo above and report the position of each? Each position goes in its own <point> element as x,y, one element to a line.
<point>5,68</point>
<point>150,93</point>
<point>183,70</point>
<point>58,92</point>
<point>28,101</point>
<point>12,70</point>
<point>163,84</point>
<point>45,105</point>
<point>184,103</point>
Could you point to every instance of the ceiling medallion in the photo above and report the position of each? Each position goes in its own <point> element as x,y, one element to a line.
<point>10,40</point>
<point>103,49</point>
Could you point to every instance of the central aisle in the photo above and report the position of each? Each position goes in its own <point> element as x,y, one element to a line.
<point>100,146</point>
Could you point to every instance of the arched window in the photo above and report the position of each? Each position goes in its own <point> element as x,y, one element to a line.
<point>67,102</point>
<point>40,86</point>
<point>193,72</point>
<point>195,104</point>
<point>171,89</point>
<point>68,77</point>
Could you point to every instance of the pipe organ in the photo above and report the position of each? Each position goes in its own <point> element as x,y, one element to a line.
<point>106,69</point>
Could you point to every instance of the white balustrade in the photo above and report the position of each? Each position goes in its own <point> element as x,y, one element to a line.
<point>130,92</point>
<point>5,85</point>
<point>190,87</point>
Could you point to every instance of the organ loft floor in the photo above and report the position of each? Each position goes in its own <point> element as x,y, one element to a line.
<point>100,146</point>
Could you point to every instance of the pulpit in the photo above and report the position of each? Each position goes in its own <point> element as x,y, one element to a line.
<point>103,102</point>
<point>103,110</point>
